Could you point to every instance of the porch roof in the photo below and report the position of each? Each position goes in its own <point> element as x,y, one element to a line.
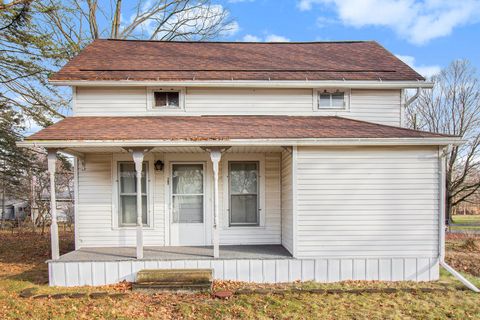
<point>220,129</point>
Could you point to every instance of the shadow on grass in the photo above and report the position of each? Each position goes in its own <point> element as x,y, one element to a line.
<point>23,254</point>
<point>37,275</point>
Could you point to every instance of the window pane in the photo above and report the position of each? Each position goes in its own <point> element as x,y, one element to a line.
<point>187,209</point>
<point>160,99</point>
<point>337,99</point>
<point>144,180</point>
<point>173,99</point>
<point>187,179</point>
<point>324,100</point>
<point>128,210</point>
<point>127,193</point>
<point>243,177</point>
<point>128,180</point>
<point>144,209</point>
<point>243,209</point>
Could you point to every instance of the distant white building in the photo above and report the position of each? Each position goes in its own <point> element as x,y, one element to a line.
<point>15,210</point>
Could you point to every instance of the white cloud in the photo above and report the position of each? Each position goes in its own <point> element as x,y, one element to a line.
<point>416,21</point>
<point>276,38</point>
<point>251,38</point>
<point>267,38</point>
<point>231,29</point>
<point>305,5</point>
<point>426,71</point>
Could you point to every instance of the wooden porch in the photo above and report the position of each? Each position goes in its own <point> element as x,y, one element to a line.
<point>177,253</point>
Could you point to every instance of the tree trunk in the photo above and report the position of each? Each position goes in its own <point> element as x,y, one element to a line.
<point>116,20</point>
<point>3,203</point>
<point>448,209</point>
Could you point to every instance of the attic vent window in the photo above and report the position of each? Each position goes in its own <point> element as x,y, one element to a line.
<point>331,99</point>
<point>167,99</point>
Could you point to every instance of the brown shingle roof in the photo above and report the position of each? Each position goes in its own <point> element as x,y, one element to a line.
<point>181,61</point>
<point>219,128</point>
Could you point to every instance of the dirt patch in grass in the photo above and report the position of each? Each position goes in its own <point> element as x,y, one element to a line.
<point>22,266</point>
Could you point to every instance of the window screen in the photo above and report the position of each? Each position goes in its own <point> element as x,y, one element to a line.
<point>128,194</point>
<point>243,185</point>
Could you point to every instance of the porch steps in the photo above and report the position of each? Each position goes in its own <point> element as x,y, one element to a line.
<point>151,280</point>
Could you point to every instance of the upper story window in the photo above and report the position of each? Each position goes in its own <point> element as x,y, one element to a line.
<point>331,99</point>
<point>165,99</point>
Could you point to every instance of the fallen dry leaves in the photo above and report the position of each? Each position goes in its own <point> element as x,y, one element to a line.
<point>22,265</point>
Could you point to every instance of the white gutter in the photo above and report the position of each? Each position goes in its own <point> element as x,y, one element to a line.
<point>380,84</point>
<point>243,142</point>
<point>441,224</point>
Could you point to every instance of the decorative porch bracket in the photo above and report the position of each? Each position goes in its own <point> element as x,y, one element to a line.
<point>138,160</point>
<point>52,161</point>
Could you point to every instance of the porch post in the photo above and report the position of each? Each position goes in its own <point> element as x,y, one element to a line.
<point>52,160</point>
<point>215,155</point>
<point>138,159</point>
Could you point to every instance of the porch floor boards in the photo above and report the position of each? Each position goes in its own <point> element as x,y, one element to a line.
<point>177,253</point>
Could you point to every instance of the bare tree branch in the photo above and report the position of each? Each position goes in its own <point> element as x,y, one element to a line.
<point>453,107</point>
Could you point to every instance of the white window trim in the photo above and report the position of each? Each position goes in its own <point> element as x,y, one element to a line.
<point>233,157</point>
<point>149,159</point>
<point>346,99</point>
<point>151,99</point>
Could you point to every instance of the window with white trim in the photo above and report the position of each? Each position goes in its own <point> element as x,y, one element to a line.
<point>243,180</point>
<point>127,194</point>
<point>331,99</point>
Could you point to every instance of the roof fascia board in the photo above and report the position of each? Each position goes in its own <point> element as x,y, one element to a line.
<point>244,142</point>
<point>252,83</point>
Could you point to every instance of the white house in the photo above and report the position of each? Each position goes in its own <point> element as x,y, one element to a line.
<point>267,162</point>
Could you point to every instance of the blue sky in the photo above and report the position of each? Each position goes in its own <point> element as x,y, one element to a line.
<point>426,34</point>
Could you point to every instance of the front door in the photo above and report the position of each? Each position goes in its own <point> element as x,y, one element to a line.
<point>187,204</point>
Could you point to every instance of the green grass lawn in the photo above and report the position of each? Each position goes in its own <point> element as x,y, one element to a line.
<point>465,228</point>
<point>22,266</point>
<point>468,222</point>
<point>467,219</point>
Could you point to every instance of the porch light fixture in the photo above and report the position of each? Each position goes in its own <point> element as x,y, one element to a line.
<point>159,165</point>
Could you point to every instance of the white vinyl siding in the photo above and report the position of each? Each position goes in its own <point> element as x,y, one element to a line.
<point>379,106</point>
<point>96,227</point>
<point>287,201</point>
<point>269,231</point>
<point>367,202</point>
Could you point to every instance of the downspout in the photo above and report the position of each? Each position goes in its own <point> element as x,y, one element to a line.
<point>413,98</point>
<point>441,224</point>
<point>407,104</point>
